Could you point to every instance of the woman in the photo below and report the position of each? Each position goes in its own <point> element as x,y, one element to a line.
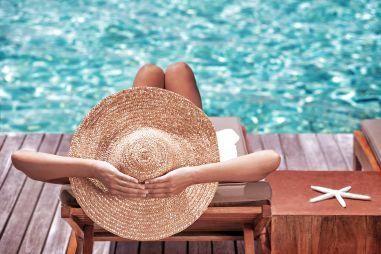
<point>178,78</point>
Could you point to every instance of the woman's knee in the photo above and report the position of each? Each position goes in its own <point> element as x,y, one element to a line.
<point>151,68</point>
<point>179,67</point>
<point>149,75</point>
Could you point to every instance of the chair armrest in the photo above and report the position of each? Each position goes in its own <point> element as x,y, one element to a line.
<point>363,152</point>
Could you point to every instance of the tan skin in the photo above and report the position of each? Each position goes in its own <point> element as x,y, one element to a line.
<point>180,79</point>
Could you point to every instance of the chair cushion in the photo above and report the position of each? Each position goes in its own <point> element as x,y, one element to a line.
<point>372,131</point>
<point>228,194</point>
<point>233,123</point>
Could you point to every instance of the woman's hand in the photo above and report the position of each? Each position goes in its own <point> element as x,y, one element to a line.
<point>118,183</point>
<point>171,183</point>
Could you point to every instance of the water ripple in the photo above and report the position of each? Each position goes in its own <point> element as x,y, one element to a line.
<point>286,66</point>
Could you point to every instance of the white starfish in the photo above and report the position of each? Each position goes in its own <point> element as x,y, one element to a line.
<point>339,194</point>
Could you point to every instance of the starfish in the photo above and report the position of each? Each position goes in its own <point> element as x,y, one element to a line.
<point>339,194</point>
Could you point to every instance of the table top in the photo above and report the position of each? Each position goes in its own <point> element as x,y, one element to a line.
<point>292,191</point>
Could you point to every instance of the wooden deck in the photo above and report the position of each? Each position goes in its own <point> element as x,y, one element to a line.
<point>30,215</point>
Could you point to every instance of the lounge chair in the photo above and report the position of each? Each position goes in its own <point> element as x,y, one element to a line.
<point>238,211</point>
<point>367,146</point>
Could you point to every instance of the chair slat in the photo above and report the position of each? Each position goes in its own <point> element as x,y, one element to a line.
<point>127,247</point>
<point>200,247</point>
<point>175,247</point>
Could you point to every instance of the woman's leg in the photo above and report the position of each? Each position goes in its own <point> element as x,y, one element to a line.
<point>149,75</point>
<point>179,78</point>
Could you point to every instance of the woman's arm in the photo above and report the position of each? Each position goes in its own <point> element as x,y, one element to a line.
<point>49,167</point>
<point>248,168</point>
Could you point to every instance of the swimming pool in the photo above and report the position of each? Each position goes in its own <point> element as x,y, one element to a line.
<point>281,66</point>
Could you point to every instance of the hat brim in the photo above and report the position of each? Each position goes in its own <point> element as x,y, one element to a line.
<point>144,218</point>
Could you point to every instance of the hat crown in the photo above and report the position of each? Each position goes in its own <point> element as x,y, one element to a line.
<point>145,153</point>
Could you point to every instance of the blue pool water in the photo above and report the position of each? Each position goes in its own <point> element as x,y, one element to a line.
<point>282,66</point>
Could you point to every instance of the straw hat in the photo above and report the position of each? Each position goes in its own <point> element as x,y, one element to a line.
<point>144,132</point>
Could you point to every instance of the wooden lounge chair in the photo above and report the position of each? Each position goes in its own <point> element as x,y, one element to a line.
<point>367,146</point>
<point>238,211</point>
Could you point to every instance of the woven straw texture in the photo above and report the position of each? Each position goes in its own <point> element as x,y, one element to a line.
<point>144,132</point>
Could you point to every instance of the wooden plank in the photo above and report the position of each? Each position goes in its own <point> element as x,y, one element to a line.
<point>24,208</point>
<point>240,247</point>
<point>291,234</point>
<point>12,143</point>
<point>200,248</point>
<point>41,220</point>
<point>175,247</point>
<point>112,248</point>
<point>2,139</point>
<point>333,233</point>
<point>345,142</point>
<point>223,247</point>
<point>102,248</point>
<point>14,182</point>
<point>59,232</point>
<point>43,217</point>
<point>373,243</point>
<point>151,247</point>
<point>254,143</point>
<point>58,236</point>
<point>271,141</point>
<point>312,151</point>
<point>293,152</point>
<point>127,247</point>
<point>331,150</point>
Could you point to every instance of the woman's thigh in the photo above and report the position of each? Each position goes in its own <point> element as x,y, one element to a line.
<point>179,78</point>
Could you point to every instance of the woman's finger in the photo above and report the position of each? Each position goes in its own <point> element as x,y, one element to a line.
<point>127,178</point>
<point>130,185</point>
<point>159,179</point>
<point>159,195</point>
<point>128,195</point>
<point>157,185</point>
<point>159,191</point>
<point>130,190</point>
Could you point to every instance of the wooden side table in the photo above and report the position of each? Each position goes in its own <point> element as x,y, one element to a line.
<point>298,226</point>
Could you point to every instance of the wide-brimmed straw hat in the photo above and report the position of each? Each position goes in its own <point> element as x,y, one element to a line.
<point>144,133</point>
